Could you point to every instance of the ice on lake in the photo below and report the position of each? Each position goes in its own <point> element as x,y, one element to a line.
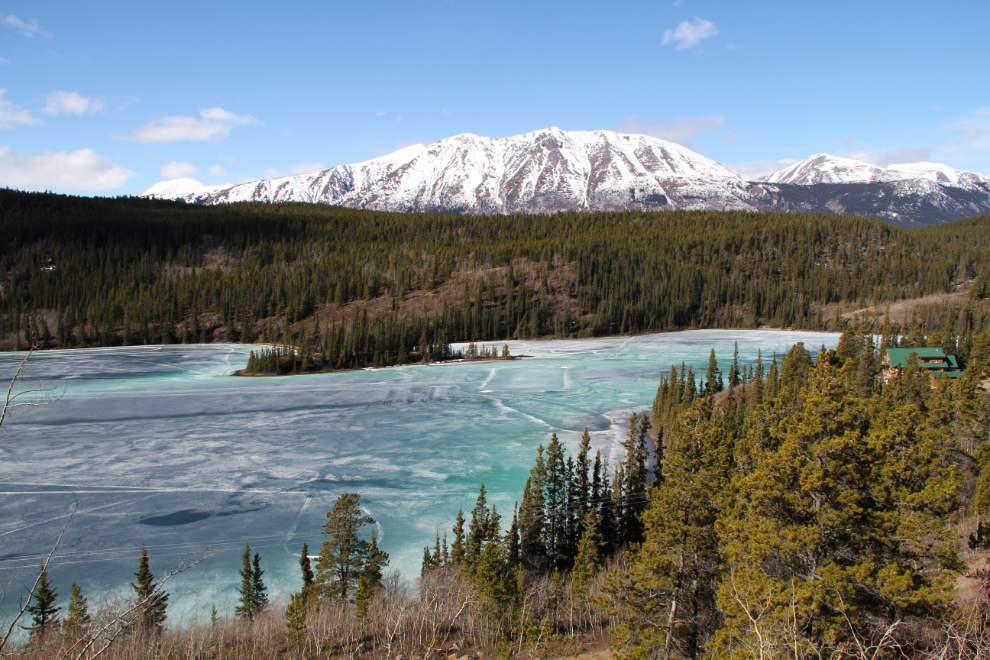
<point>161,445</point>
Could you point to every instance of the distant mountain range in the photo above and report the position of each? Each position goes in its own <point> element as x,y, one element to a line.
<point>554,170</point>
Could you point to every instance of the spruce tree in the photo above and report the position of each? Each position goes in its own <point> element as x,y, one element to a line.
<point>258,588</point>
<point>457,548</point>
<point>478,528</point>
<point>588,558</point>
<point>305,567</point>
<point>713,377</point>
<point>76,624</point>
<point>734,369</point>
<point>532,542</point>
<point>295,619</point>
<point>43,611</point>
<point>245,609</point>
<point>557,515</point>
<point>665,594</point>
<point>152,602</point>
<point>344,553</point>
<point>370,579</point>
<point>635,479</point>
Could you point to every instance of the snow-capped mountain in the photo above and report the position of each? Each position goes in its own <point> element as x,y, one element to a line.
<point>543,171</point>
<point>909,195</point>
<point>551,170</point>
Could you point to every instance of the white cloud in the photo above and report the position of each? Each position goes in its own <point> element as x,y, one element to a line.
<point>690,34</point>
<point>271,173</point>
<point>123,106</point>
<point>306,168</point>
<point>760,168</point>
<point>29,29</point>
<point>217,170</point>
<point>11,115</point>
<point>78,170</point>
<point>682,132</point>
<point>380,113</point>
<point>177,169</point>
<point>65,103</point>
<point>213,124</point>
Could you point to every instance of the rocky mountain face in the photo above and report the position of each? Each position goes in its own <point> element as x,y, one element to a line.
<point>553,170</point>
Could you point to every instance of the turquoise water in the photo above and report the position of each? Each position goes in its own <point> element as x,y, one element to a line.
<point>161,445</point>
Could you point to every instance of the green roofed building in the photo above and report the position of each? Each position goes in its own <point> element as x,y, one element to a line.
<point>932,360</point>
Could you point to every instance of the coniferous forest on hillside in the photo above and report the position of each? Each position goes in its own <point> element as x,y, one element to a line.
<point>355,288</point>
<point>800,508</point>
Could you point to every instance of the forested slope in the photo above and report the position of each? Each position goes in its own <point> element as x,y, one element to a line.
<point>85,271</point>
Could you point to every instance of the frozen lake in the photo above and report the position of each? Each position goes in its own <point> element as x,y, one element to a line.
<point>162,446</point>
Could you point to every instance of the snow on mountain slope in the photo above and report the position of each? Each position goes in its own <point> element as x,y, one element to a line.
<point>542,171</point>
<point>555,170</point>
<point>177,188</point>
<point>825,168</point>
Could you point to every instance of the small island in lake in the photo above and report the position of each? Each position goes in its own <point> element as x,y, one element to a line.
<point>281,360</point>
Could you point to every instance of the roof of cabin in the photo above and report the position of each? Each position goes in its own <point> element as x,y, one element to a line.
<point>899,357</point>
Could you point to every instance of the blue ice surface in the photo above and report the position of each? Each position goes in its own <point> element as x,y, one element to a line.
<point>161,445</point>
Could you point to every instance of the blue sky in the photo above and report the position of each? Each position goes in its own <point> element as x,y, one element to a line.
<point>110,97</point>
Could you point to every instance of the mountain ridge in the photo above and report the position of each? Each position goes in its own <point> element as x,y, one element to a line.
<point>553,170</point>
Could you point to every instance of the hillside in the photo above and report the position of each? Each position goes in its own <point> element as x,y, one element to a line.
<point>82,271</point>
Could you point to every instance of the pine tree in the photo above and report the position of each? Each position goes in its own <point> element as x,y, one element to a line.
<point>152,601</point>
<point>842,527</point>
<point>43,611</point>
<point>76,624</point>
<point>344,554</point>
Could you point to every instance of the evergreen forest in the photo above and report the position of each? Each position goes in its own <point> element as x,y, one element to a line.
<point>351,288</point>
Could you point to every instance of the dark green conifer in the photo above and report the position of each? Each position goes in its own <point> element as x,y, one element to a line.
<point>152,602</point>
<point>43,611</point>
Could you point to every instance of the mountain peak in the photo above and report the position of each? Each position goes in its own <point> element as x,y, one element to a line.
<point>552,170</point>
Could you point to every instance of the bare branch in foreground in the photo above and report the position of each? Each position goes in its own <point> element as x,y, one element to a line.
<point>42,395</point>
<point>44,564</point>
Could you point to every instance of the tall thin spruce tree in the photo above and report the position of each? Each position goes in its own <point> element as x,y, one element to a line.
<point>152,602</point>
<point>43,611</point>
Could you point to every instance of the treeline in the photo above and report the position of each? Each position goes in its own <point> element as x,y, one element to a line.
<point>81,272</point>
